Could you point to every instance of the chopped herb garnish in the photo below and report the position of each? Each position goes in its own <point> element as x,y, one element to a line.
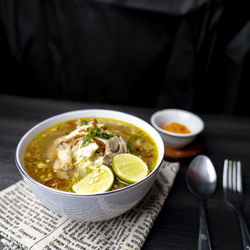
<point>86,139</point>
<point>134,137</point>
<point>95,132</point>
<point>130,146</point>
<point>138,136</point>
<point>92,131</point>
<point>85,122</point>
<point>142,150</point>
<point>104,135</point>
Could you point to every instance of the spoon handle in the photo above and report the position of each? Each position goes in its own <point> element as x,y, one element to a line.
<point>204,242</point>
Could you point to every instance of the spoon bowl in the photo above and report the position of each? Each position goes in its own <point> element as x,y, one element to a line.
<point>201,177</point>
<point>201,180</point>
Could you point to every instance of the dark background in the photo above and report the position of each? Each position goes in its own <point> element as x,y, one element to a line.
<point>185,54</point>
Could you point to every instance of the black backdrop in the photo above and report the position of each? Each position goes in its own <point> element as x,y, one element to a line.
<point>151,53</point>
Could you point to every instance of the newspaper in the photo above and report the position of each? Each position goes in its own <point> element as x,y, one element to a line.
<point>26,224</point>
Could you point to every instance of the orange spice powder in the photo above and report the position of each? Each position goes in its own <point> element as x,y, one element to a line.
<point>175,127</point>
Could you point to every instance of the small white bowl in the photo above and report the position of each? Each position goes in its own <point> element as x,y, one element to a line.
<point>175,140</point>
<point>95,207</point>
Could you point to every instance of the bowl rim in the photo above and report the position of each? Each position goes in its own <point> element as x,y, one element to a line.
<point>159,112</point>
<point>60,192</point>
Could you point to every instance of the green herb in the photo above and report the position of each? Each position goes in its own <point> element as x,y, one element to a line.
<point>85,122</point>
<point>142,150</point>
<point>130,146</point>
<point>104,135</point>
<point>138,136</point>
<point>86,139</point>
<point>95,132</point>
<point>134,137</point>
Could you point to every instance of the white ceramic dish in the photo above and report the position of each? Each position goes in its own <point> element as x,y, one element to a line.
<point>95,207</point>
<point>174,140</point>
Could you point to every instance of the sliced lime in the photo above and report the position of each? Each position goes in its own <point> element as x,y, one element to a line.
<point>129,168</point>
<point>98,181</point>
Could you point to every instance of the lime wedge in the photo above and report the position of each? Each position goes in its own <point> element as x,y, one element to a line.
<point>129,168</point>
<point>98,181</point>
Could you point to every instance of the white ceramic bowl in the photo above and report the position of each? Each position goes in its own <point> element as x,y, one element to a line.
<point>95,207</point>
<point>174,140</point>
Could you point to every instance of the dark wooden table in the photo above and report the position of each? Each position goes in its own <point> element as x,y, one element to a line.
<point>177,225</point>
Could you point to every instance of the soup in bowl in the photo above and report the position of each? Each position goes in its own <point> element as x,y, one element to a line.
<point>91,164</point>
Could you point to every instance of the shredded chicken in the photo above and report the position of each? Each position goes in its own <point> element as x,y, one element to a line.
<point>79,131</point>
<point>113,146</point>
<point>87,151</point>
<point>71,152</point>
<point>63,157</point>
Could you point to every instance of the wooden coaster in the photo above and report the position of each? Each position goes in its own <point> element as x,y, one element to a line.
<point>187,152</point>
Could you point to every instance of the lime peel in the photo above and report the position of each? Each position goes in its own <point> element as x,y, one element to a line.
<point>129,168</point>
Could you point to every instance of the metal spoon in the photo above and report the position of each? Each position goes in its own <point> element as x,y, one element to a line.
<point>201,180</point>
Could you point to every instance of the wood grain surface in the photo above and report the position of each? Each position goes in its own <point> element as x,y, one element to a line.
<point>177,224</point>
